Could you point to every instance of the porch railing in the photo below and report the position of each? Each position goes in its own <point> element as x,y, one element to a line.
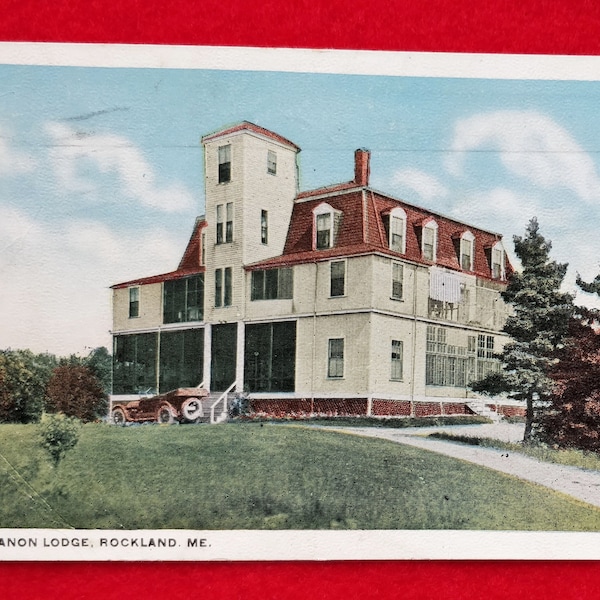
<point>222,398</point>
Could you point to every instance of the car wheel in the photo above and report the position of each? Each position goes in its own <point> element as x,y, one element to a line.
<point>118,416</point>
<point>192,409</point>
<point>165,415</point>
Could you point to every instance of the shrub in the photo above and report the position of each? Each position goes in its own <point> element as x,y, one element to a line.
<point>75,391</point>
<point>58,434</point>
<point>240,406</point>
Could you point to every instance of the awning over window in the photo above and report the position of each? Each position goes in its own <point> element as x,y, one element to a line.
<point>445,285</point>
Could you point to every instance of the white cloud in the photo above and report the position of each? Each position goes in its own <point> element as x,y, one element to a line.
<point>12,160</point>
<point>530,145</point>
<point>55,292</point>
<point>73,153</point>
<point>427,186</point>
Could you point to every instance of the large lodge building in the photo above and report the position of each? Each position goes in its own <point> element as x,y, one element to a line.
<point>338,300</point>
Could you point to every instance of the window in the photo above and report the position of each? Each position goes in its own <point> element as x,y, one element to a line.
<point>467,243</point>
<point>225,163</point>
<point>485,346</point>
<point>270,357</point>
<point>397,230</point>
<point>180,359</point>
<point>397,280</point>
<point>449,361</point>
<point>498,261</point>
<point>225,223</point>
<point>337,285</point>
<point>335,363</point>
<point>272,284</point>
<point>397,357</point>
<point>227,291</point>
<point>271,162</point>
<point>429,241</point>
<point>486,359</point>
<point>218,288</point>
<point>134,363</point>
<point>134,302</point>
<point>229,222</point>
<point>264,227</point>
<point>326,226</point>
<point>183,299</point>
<point>220,230</point>
<point>223,287</point>
<point>323,231</point>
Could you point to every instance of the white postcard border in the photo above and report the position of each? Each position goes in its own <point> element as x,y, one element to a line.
<point>297,60</point>
<point>285,545</point>
<point>258,545</point>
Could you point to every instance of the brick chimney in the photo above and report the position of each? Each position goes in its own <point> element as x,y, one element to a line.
<point>361,166</point>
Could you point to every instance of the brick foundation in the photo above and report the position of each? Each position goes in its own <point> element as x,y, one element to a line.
<point>510,411</point>
<point>305,406</point>
<point>427,409</point>
<point>455,408</point>
<point>390,408</point>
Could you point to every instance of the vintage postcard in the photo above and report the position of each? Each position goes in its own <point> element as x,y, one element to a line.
<point>273,304</point>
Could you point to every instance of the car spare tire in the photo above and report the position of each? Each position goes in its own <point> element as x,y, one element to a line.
<point>192,409</point>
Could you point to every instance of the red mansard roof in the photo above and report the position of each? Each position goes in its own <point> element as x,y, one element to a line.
<point>247,126</point>
<point>362,231</point>
<point>190,263</point>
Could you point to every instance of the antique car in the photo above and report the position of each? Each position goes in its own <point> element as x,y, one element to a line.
<point>183,405</point>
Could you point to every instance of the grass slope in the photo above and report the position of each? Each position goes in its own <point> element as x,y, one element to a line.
<point>248,476</point>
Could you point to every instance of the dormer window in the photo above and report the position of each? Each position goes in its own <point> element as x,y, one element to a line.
<point>429,240</point>
<point>498,261</point>
<point>397,230</point>
<point>467,247</point>
<point>324,231</point>
<point>326,224</point>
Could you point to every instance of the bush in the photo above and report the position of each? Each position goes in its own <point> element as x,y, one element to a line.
<point>75,391</point>
<point>58,434</point>
<point>240,406</point>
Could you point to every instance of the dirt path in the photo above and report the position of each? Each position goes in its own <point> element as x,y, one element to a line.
<point>573,481</point>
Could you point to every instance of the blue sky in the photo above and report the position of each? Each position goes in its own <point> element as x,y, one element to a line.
<point>101,172</point>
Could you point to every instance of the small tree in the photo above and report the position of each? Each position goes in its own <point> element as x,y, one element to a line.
<point>99,362</point>
<point>58,434</point>
<point>537,326</point>
<point>75,391</point>
<point>23,379</point>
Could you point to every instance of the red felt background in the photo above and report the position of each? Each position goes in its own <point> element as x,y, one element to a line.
<point>513,26</point>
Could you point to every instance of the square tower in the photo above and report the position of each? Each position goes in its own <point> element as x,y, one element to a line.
<point>251,181</point>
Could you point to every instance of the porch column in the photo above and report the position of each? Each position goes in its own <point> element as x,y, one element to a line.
<point>207,357</point>
<point>239,359</point>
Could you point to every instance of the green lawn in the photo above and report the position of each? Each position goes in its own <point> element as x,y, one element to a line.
<point>248,476</point>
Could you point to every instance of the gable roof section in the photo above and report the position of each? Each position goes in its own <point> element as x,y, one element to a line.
<point>363,231</point>
<point>247,126</point>
<point>190,263</point>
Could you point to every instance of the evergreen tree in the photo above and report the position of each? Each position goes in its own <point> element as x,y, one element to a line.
<point>537,326</point>
<point>573,419</point>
